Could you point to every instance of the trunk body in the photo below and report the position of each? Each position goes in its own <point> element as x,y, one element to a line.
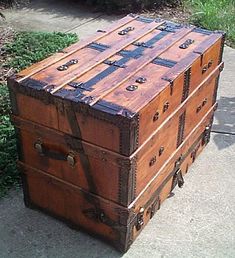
<point>109,126</point>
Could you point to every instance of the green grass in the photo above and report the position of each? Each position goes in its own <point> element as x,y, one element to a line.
<point>31,47</point>
<point>215,15</point>
<point>26,49</point>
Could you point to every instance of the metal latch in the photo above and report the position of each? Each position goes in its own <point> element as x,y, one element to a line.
<point>178,179</point>
<point>140,219</point>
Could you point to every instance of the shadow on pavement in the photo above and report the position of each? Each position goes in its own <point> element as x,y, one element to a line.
<point>62,8</point>
<point>224,123</point>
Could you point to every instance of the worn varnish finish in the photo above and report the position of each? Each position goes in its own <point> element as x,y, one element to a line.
<point>119,91</point>
<point>115,177</point>
<point>109,126</point>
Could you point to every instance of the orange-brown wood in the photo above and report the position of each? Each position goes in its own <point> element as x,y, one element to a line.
<point>106,168</point>
<point>114,223</point>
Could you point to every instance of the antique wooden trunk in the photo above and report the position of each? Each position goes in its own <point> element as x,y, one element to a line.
<point>108,127</point>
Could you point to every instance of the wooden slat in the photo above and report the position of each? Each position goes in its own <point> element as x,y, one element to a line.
<point>137,65</point>
<point>106,54</point>
<point>73,48</point>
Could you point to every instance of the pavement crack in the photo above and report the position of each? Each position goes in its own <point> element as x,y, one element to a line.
<point>75,27</point>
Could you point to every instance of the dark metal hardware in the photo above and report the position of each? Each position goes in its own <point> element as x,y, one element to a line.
<point>170,26</point>
<point>114,63</point>
<point>145,19</point>
<point>166,106</point>
<point>186,44</point>
<point>98,46</point>
<point>202,31</point>
<point>164,62</point>
<point>210,63</point>
<point>71,160</point>
<point>206,137</point>
<point>67,65</point>
<point>171,84</point>
<point>154,207</point>
<point>132,87</point>
<point>140,219</point>
<point>125,31</point>
<point>95,214</point>
<point>204,69</point>
<point>186,87</point>
<point>194,152</point>
<point>178,179</point>
<point>38,147</point>
<point>179,161</point>
<point>180,136</point>
<point>75,84</point>
<point>152,161</point>
<point>156,116</point>
<point>207,66</point>
<point>161,151</point>
<point>142,44</point>
<point>42,151</point>
<point>201,106</point>
<point>141,80</point>
<point>103,31</point>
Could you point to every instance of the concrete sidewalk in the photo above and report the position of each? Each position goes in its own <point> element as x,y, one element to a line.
<point>198,221</point>
<point>54,15</point>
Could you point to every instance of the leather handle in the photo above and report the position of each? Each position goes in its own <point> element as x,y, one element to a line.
<point>52,154</point>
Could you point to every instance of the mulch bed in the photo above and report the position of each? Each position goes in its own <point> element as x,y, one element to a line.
<point>177,14</point>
